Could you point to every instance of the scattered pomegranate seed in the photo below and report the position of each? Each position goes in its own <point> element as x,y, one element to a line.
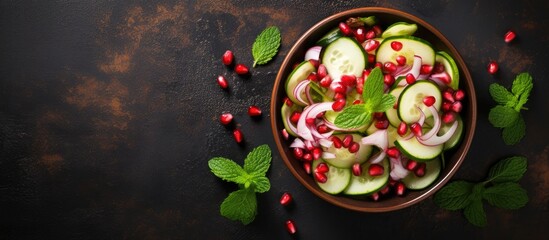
<point>241,69</point>
<point>446,106</point>
<point>336,141</point>
<point>222,81</point>
<point>378,65</point>
<point>375,170</point>
<point>426,69</point>
<point>385,190</point>
<point>227,58</point>
<point>310,121</point>
<point>339,104</point>
<point>365,74</point>
<point>314,62</point>
<point>320,177</point>
<point>420,170</point>
<point>354,147</point>
<point>347,140</point>
<point>493,67</point>
<point>285,199</point>
<point>402,128</point>
<point>321,71</point>
<point>325,81</point>
<point>448,117</point>
<point>400,189</point>
<point>393,152</point>
<point>254,111</point>
<point>307,157</point>
<point>285,134</point>
<point>509,36</point>
<point>358,101</point>
<point>312,77</point>
<point>459,95</point>
<point>401,60</point>
<point>294,118</point>
<point>345,29</point>
<point>396,45</point>
<point>307,167</point>
<point>448,96</point>
<point>237,134</point>
<point>370,45</point>
<point>379,115</point>
<point>429,101</point>
<point>298,153</point>
<point>288,102</point>
<point>389,67</point>
<point>411,165</point>
<point>456,106</point>
<point>357,169</point>
<point>382,124</point>
<point>375,196</point>
<point>438,68</point>
<point>371,58</point>
<point>322,128</point>
<point>348,80</point>
<point>410,79</point>
<point>416,129</point>
<point>360,34</point>
<point>370,34</point>
<point>317,153</point>
<point>290,227</point>
<point>322,168</point>
<point>226,118</point>
<point>388,79</point>
<point>339,95</point>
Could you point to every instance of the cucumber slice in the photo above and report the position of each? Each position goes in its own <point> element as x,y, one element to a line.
<point>450,67</point>
<point>344,56</point>
<point>410,46</point>
<point>432,170</point>
<point>366,184</point>
<point>411,99</point>
<point>391,113</point>
<point>413,149</point>
<point>456,138</point>
<point>399,29</point>
<point>285,112</point>
<point>300,73</point>
<point>344,158</point>
<point>392,135</point>
<point>338,178</point>
<point>329,37</point>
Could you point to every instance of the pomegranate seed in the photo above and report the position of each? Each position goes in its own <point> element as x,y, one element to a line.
<point>226,118</point>
<point>354,147</point>
<point>314,62</point>
<point>322,128</point>
<point>410,79</point>
<point>402,128</point>
<point>338,88</point>
<point>254,111</point>
<point>448,96</point>
<point>307,157</point>
<point>401,60</point>
<point>493,67</point>
<point>389,67</point>
<point>448,117</point>
<point>321,177</point>
<point>382,124</point>
<point>348,80</point>
<point>375,196</point>
<point>347,140</point>
<point>370,34</point>
<point>338,95</point>
<point>446,106</point>
<point>509,36</point>
<point>379,115</point>
<point>388,79</point>
<point>411,165</point>
<point>322,168</point>
<point>371,58</point>
<point>438,68</point>
<point>400,189</point>
<point>285,199</point>
<point>338,105</point>
<point>312,77</point>
<point>298,153</point>
<point>360,34</point>
<point>459,95</point>
<point>285,134</point>
<point>426,69</point>
<point>294,118</point>
<point>237,134</point>
<point>288,102</point>
<point>321,71</point>
<point>416,129</point>
<point>358,101</point>
<point>370,45</point>
<point>396,45</point>
<point>336,141</point>
<point>378,65</point>
<point>392,182</point>
<point>222,81</point>
<point>429,101</point>
<point>317,153</point>
<point>345,29</point>
<point>377,30</point>
<point>310,121</point>
<point>385,190</point>
<point>227,58</point>
<point>357,169</point>
<point>359,88</point>
<point>420,170</point>
<point>375,170</point>
<point>241,69</point>
<point>325,81</point>
<point>393,152</point>
<point>456,106</point>
<point>365,74</point>
<point>307,167</point>
<point>290,227</point>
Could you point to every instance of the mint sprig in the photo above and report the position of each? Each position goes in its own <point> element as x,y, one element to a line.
<point>506,114</point>
<point>500,190</point>
<point>374,99</point>
<point>241,205</point>
<point>266,45</point>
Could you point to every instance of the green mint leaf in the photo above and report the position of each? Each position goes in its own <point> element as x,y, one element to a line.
<point>370,20</point>
<point>387,101</point>
<point>353,116</point>
<point>261,184</point>
<point>501,95</point>
<point>502,116</point>
<point>508,170</point>
<point>240,205</point>
<point>507,195</point>
<point>266,45</point>
<point>455,195</point>
<point>372,92</point>
<point>515,132</point>
<point>474,212</point>
<point>522,86</point>
<point>258,160</point>
<point>228,170</point>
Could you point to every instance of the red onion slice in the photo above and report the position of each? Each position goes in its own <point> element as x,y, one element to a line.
<point>313,53</point>
<point>379,139</point>
<point>301,87</point>
<point>290,124</point>
<point>436,126</point>
<point>414,70</point>
<point>310,112</point>
<point>437,140</point>
<point>397,169</point>
<point>324,142</point>
<point>297,143</point>
<point>328,155</point>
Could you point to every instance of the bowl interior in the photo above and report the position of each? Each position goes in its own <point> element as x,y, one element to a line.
<point>386,17</point>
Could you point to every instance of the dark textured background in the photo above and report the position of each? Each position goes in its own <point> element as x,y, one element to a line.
<point>109,114</point>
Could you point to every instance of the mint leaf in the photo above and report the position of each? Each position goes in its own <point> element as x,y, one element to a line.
<point>228,170</point>
<point>522,84</point>
<point>455,195</point>
<point>501,95</point>
<point>387,101</point>
<point>258,160</point>
<point>502,116</point>
<point>474,212</point>
<point>508,195</point>
<point>266,45</point>
<point>515,132</point>
<point>261,184</point>
<point>372,92</point>
<point>353,116</point>
<point>240,205</point>
<point>508,170</point>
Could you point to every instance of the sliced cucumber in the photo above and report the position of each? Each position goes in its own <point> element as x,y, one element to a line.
<point>392,114</point>
<point>456,138</point>
<point>285,113</point>
<point>344,158</point>
<point>410,101</point>
<point>300,73</point>
<point>338,178</point>
<point>344,56</point>
<point>450,67</point>
<point>329,37</point>
<point>392,135</point>
<point>432,170</point>
<point>413,149</point>
<point>399,29</point>
<point>410,46</point>
<point>366,184</point>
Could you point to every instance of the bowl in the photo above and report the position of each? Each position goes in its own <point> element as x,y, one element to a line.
<point>454,158</point>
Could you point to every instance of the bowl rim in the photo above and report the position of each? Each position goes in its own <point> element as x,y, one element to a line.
<point>460,154</point>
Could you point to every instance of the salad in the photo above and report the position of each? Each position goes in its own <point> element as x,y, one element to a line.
<point>383,152</point>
